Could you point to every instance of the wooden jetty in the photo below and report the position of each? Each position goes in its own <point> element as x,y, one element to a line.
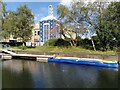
<point>40,58</point>
<point>5,56</point>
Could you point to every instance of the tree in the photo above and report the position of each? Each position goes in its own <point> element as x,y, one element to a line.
<point>96,21</point>
<point>3,33</point>
<point>107,24</point>
<point>19,24</point>
<point>9,25</point>
<point>0,15</point>
<point>0,19</point>
<point>25,23</point>
<point>70,18</point>
<point>112,22</point>
<point>75,16</point>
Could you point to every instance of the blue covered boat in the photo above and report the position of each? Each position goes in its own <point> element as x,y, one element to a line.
<point>85,61</point>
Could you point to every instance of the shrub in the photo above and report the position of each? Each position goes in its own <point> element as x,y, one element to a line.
<point>57,42</point>
<point>86,43</point>
<point>50,42</point>
<point>61,43</point>
<point>79,41</point>
<point>13,43</point>
<point>118,49</point>
<point>22,47</point>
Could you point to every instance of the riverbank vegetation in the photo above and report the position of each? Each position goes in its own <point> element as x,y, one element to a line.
<point>60,45</point>
<point>63,49</point>
<point>100,18</point>
<point>97,22</point>
<point>68,50</point>
<point>17,24</point>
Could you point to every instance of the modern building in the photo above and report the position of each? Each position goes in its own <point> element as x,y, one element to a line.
<point>49,27</point>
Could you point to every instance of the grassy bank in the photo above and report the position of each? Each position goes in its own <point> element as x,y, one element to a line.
<point>64,49</point>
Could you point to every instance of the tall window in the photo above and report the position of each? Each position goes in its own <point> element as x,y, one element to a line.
<point>46,32</point>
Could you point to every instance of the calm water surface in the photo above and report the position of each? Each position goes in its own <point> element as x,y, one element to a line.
<point>32,74</point>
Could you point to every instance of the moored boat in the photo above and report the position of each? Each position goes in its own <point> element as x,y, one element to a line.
<point>85,61</point>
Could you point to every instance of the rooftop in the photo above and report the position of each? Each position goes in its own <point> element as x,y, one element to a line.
<point>50,17</point>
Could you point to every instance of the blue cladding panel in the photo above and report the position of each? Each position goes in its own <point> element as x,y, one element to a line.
<point>52,24</point>
<point>41,31</point>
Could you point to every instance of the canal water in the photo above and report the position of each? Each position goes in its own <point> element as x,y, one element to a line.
<point>32,74</point>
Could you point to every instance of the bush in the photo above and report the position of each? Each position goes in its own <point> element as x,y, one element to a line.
<point>86,43</point>
<point>79,41</point>
<point>57,42</point>
<point>22,47</point>
<point>13,43</point>
<point>118,49</point>
<point>50,42</point>
<point>61,43</point>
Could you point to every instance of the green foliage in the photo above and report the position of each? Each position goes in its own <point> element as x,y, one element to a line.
<point>113,19</point>
<point>79,41</point>
<point>57,42</point>
<point>9,25</point>
<point>25,23</point>
<point>22,47</point>
<point>62,43</point>
<point>71,18</point>
<point>109,33</point>
<point>67,49</point>
<point>18,23</point>
<point>118,49</point>
<point>97,42</point>
<point>86,43</point>
<point>3,13</point>
<point>50,42</point>
<point>0,14</point>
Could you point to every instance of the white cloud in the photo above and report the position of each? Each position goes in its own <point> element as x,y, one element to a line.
<point>67,2</point>
<point>37,17</point>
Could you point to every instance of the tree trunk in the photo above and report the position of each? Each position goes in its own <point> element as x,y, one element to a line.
<point>71,43</point>
<point>93,44</point>
<point>24,43</point>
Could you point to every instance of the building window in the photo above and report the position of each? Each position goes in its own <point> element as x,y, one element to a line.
<point>51,26</point>
<point>46,32</point>
<point>35,33</point>
<point>38,32</point>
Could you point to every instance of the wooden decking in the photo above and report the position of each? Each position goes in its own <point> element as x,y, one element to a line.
<point>5,56</point>
<point>41,58</point>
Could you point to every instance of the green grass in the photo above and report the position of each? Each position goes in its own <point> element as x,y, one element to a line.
<point>64,49</point>
<point>68,50</point>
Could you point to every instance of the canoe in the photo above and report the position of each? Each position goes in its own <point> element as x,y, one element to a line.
<point>85,61</point>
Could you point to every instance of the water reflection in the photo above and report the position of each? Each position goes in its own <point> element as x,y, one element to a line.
<point>31,74</point>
